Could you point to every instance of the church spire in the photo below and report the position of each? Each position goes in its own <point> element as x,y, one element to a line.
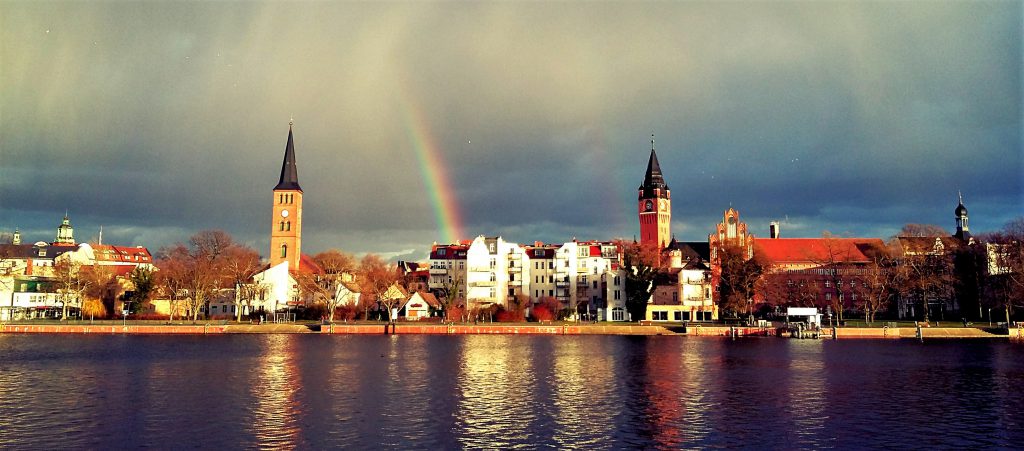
<point>289,171</point>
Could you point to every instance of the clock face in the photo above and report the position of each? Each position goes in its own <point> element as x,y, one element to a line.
<point>648,206</point>
<point>284,213</point>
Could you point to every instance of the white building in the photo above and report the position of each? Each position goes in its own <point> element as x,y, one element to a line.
<point>582,276</point>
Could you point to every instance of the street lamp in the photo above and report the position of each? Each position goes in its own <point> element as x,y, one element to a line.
<point>990,317</point>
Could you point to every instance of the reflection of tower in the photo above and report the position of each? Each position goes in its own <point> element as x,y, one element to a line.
<point>16,240</point>
<point>962,230</point>
<point>65,233</point>
<point>655,205</point>
<point>286,227</point>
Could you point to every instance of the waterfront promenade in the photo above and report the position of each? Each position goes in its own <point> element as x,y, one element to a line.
<point>701,330</point>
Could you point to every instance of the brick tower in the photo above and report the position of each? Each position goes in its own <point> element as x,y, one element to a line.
<point>286,224</point>
<point>655,205</point>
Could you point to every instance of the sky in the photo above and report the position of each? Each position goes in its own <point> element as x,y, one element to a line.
<point>425,122</point>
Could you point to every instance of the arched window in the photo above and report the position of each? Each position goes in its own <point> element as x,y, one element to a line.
<point>282,226</point>
<point>284,250</point>
<point>288,226</point>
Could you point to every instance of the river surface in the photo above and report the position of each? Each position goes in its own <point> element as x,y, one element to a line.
<point>500,392</point>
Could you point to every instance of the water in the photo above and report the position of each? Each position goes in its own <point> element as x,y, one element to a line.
<point>497,392</point>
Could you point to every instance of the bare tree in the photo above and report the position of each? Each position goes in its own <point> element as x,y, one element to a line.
<point>739,278</point>
<point>1008,266</point>
<point>922,230</point>
<point>71,286</point>
<point>451,295</point>
<point>376,278</point>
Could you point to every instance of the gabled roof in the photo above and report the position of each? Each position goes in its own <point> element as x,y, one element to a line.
<point>308,265</point>
<point>815,250</point>
<point>289,172</point>
<point>449,252</point>
<point>31,251</point>
<point>428,298</point>
<point>922,245</point>
<point>692,249</point>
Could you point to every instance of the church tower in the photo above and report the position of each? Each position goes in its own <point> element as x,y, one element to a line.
<point>286,224</point>
<point>65,233</point>
<point>962,230</point>
<point>655,205</point>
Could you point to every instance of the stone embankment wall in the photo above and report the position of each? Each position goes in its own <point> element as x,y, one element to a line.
<point>495,329</point>
<point>111,329</point>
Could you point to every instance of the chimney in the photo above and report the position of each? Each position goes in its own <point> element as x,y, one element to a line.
<point>773,229</point>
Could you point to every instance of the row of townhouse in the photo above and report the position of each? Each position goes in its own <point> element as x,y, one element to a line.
<point>584,277</point>
<point>28,285</point>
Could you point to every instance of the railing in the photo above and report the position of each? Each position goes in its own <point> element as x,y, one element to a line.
<point>482,283</point>
<point>515,269</point>
<point>439,270</point>
<point>561,283</point>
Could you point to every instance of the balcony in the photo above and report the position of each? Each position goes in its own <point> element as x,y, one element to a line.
<point>439,270</point>
<point>515,269</point>
<point>482,283</point>
<point>562,283</point>
<point>515,283</point>
<point>481,268</point>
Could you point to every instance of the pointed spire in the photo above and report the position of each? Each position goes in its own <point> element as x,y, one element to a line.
<point>653,178</point>
<point>289,171</point>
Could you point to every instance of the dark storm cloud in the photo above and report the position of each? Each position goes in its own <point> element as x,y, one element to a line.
<point>159,120</point>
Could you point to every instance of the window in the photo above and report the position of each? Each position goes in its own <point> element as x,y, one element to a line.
<point>618,314</point>
<point>659,316</point>
<point>551,292</point>
<point>440,252</point>
<point>828,283</point>
<point>616,295</point>
<point>595,284</point>
<point>493,279</point>
<point>288,226</point>
<point>284,250</point>
<point>583,279</point>
<point>828,296</point>
<point>678,316</point>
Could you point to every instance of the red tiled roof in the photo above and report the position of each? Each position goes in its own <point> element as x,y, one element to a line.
<point>308,265</point>
<point>429,298</point>
<point>814,250</point>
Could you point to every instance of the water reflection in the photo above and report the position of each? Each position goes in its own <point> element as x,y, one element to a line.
<point>495,401</point>
<point>805,393</point>
<point>497,392</point>
<point>273,388</point>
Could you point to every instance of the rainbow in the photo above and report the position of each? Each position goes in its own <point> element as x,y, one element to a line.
<point>434,172</point>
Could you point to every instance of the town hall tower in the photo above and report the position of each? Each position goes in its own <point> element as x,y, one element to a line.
<point>655,205</point>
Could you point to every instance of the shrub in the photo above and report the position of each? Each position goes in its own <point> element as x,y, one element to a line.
<point>509,316</point>
<point>542,313</point>
<point>455,313</point>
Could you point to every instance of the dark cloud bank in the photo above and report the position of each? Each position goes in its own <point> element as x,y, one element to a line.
<point>159,120</point>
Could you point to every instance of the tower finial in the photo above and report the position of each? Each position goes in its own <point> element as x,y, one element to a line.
<point>291,120</point>
<point>652,140</point>
<point>960,196</point>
